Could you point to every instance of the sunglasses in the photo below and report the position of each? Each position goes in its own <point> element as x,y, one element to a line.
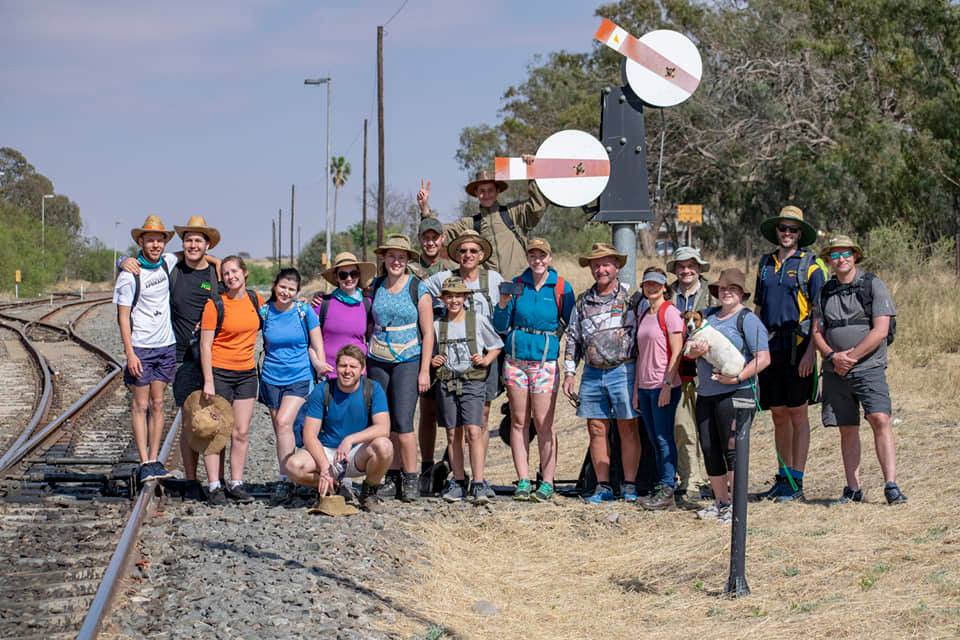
<point>836,255</point>
<point>783,228</point>
<point>470,251</point>
<point>348,275</point>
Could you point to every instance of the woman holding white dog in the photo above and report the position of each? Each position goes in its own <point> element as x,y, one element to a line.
<point>727,403</point>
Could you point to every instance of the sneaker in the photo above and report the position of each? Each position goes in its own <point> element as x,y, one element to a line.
<point>849,495</point>
<point>726,514</point>
<point>217,497</point>
<point>153,471</point>
<point>410,487</point>
<point>544,492</point>
<point>282,493</point>
<point>775,489</point>
<point>193,490</point>
<point>628,491</point>
<point>789,494</point>
<point>488,491</point>
<point>603,493</point>
<point>661,500</point>
<point>346,490</point>
<point>893,494</point>
<point>480,492</point>
<point>426,481</point>
<point>706,492</point>
<point>238,494</point>
<point>370,501</point>
<point>712,512</point>
<point>522,492</point>
<point>453,492</point>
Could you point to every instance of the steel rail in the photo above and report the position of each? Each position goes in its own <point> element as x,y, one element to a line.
<point>93,300</point>
<point>46,393</point>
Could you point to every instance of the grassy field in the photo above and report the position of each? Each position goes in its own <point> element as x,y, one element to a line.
<point>567,570</point>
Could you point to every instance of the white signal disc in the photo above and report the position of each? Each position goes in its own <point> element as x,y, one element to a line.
<point>574,145</point>
<point>672,72</point>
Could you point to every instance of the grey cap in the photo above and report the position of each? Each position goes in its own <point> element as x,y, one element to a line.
<point>687,253</point>
<point>430,224</point>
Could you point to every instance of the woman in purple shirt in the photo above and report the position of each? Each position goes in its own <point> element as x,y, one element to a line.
<point>345,312</point>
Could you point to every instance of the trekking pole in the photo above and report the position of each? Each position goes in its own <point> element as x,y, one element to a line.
<point>737,581</point>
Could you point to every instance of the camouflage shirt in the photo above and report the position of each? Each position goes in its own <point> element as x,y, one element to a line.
<point>602,330</point>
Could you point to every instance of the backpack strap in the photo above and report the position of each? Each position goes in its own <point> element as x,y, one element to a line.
<point>766,262</point>
<point>368,397</point>
<point>661,320</point>
<point>252,296</point>
<point>507,221</point>
<point>324,306</point>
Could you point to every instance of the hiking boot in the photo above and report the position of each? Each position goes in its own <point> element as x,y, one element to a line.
<point>238,494</point>
<point>193,490</point>
<point>849,495</point>
<point>712,512</point>
<point>628,491</point>
<point>893,494</point>
<point>706,492</point>
<point>522,492</point>
<point>217,497</point>
<point>370,501</point>
<point>661,500</point>
<point>488,491</point>
<point>480,493</point>
<point>346,490</point>
<point>544,492</point>
<point>426,482</point>
<point>453,492</point>
<point>282,493</point>
<point>726,514</point>
<point>789,494</point>
<point>390,488</point>
<point>775,489</point>
<point>603,493</point>
<point>410,487</point>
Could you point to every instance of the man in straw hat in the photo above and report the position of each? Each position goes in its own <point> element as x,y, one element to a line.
<point>143,313</point>
<point>346,432</point>
<point>602,332</point>
<point>207,428</point>
<point>788,281</point>
<point>504,226</point>
<point>853,323</point>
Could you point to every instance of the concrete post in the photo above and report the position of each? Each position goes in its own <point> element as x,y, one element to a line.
<point>625,241</point>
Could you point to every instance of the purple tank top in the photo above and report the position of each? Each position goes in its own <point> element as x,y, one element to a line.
<point>344,324</point>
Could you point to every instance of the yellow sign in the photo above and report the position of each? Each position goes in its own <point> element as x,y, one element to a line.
<point>16,276</point>
<point>690,213</point>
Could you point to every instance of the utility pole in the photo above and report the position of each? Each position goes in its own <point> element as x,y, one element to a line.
<point>380,169</point>
<point>279,238</point>
<point>329,223</point>
<point>273,244</point>
<point>363,213</point>
<point>292,192</point>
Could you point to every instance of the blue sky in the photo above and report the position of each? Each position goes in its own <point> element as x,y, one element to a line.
<point>181,108</point>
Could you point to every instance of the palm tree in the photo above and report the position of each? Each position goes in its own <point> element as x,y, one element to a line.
<point>339,173</point>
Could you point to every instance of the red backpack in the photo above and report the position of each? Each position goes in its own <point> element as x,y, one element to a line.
<point>662,321</point>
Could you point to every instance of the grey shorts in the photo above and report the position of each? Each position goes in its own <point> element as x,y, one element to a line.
<point>458,410</point>
<point>842,396</point>
<point>494,383</point>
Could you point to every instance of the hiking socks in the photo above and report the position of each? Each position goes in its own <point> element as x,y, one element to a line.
<point>235,483</point>
<point>213,486</point>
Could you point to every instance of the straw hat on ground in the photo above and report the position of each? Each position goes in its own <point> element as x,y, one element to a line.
<point>346,259</point>
<point>602,250</point>
<point>480,178</point>
<point>153,224</point>
<point>791,214</point>
<point>333,506</point>
<point>207,424</point>
<point>197,224</point>
<point>398,242</point>
<point>469,235</point>
<point>730,277</point>
<point>841,242</point>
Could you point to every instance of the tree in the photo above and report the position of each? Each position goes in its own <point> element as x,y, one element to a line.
<point>339,173</point>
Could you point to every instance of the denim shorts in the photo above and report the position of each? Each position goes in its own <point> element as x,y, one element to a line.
<point>605,394</point>
<point>272,395</point>
<point>159,365</point>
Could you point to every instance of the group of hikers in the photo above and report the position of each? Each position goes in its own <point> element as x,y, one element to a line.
<point>476,309</point>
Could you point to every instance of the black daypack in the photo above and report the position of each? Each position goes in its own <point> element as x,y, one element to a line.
<point>863,290</point>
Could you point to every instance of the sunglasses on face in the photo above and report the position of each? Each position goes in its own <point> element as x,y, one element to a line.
<point>783,228</point>
<point>836,255</point>
<point>348,275</point>
<point>470,251</point>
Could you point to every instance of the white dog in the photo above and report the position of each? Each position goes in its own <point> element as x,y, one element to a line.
<point>724,357</point>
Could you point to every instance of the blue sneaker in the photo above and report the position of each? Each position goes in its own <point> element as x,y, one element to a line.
<point>628,491</point>
<point>603,493</point>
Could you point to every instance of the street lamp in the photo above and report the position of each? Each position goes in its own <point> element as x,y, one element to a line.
<point>43,222</point>
<point>116,226</point>
<point>329,225</point>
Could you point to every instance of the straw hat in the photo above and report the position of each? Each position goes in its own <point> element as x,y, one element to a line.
<point>207,424</point>
<point>480,178</point>
<point>841,241</point>
<point>198,225</point>
<point>687,253</point>
<point>333,506</point>
<point>153,224</point>
<point>399,242</point>
<point>367,269</point>
<point>730,277</point>
<point>602,250</point>
<point>539,244</point>
<point>455,284</point>
<point>790,213</point>
<point>469,235</point>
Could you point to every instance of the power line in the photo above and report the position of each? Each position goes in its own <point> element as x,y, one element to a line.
<point>396,13</point>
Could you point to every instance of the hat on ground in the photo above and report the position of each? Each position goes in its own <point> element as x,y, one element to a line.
<point>687,253</point>
<point>346,259</point>
<point>398,242</point>
<point>602,250</point>
<point>469,235</point>
<point>455,284</point>
<point>207,424</point>
<point>841,241</point>
<point>539,244</point>
<point>480,178</point>
<point>790,213</point>
<point>333,506</point>
<point>730,277</point>
<point>153,224</point>
<point>430,224</point>
<point>197,224</point>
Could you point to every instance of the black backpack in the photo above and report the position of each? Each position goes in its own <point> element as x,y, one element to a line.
<point>863,289</point>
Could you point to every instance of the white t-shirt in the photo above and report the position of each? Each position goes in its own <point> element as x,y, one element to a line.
<point>150,318</point>
<point>481,301</point>
<point>458,353</point>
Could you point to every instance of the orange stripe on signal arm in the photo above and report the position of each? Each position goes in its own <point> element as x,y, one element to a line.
<point>658,64</point>
<point>567,168</point>
<point>501,168</point>
<point>606,28</point>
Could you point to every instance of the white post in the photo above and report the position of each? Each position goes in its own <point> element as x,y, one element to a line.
<point>81,292</point>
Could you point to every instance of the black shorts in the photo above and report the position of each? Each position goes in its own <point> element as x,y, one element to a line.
<point>235,385</point>
<point>188,379</point>
<point>781,384</point>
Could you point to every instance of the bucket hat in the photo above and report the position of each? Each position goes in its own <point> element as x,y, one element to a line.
<point>728,277</point>
<point>469,235</point>
<point>687,253</point>
<point>197,224</point>
<point>455,284</point>
<point>841,241</point>
<point>207,424</point>
<point>345,259</point>
<point>153,224</point>
<point>333,506</point>
<point>399,242</point>
<point>790,213</point>
<point>480,178</point>
<point>602,250</point>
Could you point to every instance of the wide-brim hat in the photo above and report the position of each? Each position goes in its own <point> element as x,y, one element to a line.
<point>602,250</point>
<point>728,277</point>
<point>469,235</point>
<point>153,224</point>
<point>333,506</point>
<point>367,269</point>
<point>455,284</point>
<point>207,424</point>
<point>838,242</point>
<point>197,224</point>
<point>687,253</point>
<point>790,213</point>
<point>480,178</point>
<point>398,242</point>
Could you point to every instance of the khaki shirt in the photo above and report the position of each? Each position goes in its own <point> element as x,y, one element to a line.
<point>424,271</point>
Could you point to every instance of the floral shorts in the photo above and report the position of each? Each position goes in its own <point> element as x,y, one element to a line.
<point>531,375</point>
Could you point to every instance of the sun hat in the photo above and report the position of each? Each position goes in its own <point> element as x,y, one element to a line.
<point>398,242</point>
<point>430,224</point>
<point>539,244</point>
<point>367,269</point>
<point>841,241</point>
<point>469,235</point>
<point>207,424</point>
<point>602,250</point>
<point>480,178</point>
<point>333,506</point>
<point>455,284</point>
<point>153,224</point>
<point>730,277</point>
<point>790,213</point>
<point>197,224</point>
<point>654,276</point>
<point>687,253</point>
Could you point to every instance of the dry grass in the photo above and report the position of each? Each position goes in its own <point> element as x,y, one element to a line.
<point>571,571</point>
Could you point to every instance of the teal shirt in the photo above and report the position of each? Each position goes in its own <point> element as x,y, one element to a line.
<point>537,311</point>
